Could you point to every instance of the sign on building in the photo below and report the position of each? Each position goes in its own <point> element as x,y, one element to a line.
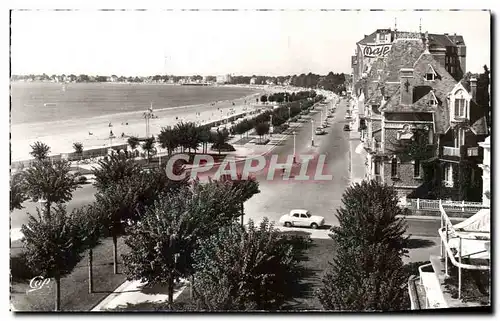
<point>376,51</point>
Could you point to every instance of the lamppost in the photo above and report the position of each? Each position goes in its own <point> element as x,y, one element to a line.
<point>147,116</point>
<point>312,132</point>
<point>293,147</point>
<point>111,136</point>
<point>289,115</point>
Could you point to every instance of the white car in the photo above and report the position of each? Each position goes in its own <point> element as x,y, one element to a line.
<point>299,217</point>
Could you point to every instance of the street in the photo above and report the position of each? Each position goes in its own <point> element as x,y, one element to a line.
<point>278,196</point>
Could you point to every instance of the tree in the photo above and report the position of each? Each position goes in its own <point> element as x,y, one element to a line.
<point>168,139</point>
<point>126,200</point>
<point>367,272</point>
<point>39,151</point>
<point>112,169</point>
<point>171,228</point>
<point>148,146</point>
<point>204,136</point>
<point>247,188</point>
<point>133,142</point>
<point>263,99</point>
<point>51,183</point>
<point>91,229</point>
<point>261,129</point>
<point>17,191</point>
<point>78,147</point>
<point>52,245</point>
<point>253,268</point>
<point>220,138</point>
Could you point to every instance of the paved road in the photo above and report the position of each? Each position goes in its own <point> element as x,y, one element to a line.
<point>278,196</point>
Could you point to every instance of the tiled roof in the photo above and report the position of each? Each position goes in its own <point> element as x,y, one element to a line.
<point>442,40</point>
<point>480,126</point>
<point>368,38</point>
<point>403,54</point>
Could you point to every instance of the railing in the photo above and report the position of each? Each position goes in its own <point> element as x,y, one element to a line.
<point>452,206</point>
<point>451,151</point>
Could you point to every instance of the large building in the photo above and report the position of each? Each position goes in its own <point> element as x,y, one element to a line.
<point>449,51</point>
<point>223,79</point>
<point>412,111</point>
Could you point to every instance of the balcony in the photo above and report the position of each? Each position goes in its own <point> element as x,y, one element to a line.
<point>451,151</point>
<point>457,153</point>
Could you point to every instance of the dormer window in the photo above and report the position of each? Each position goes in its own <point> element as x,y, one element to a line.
<point>432,99</point>
<point>460,107</point>
<point>431,74</point>
<point>460,104</point>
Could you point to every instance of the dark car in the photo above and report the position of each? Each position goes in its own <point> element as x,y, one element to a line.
<point>347,128</point>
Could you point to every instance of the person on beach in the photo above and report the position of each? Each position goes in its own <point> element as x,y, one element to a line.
<point>109,125</point>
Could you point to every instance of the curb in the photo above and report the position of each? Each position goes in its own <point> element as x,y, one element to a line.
<point>116,292</point>
<point>431,217</point>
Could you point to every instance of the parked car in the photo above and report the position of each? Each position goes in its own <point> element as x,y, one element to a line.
<point>347,128</point>
<point>301,217</point>
<point>320,131</point>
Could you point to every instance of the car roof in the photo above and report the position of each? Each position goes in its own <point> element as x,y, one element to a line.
<point>300,211</point>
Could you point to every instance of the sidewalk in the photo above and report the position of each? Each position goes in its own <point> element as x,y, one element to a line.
<point>133,292</point>
<point>356,158</point>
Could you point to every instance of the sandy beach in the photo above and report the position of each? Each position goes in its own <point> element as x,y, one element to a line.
<point>94,132</point>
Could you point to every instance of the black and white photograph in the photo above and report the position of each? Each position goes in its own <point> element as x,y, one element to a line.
<point>220,160</point>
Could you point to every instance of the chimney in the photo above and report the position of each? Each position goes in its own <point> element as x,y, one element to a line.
<point>406,85</point>
<point>473,88</point>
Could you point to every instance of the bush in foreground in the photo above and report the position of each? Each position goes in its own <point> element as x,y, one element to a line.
<point>367,272</point>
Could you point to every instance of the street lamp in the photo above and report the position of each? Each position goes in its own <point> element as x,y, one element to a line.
<point>312,132</point>
<point>289,115</point>
<point>293,147</point>
<point>147,116</point>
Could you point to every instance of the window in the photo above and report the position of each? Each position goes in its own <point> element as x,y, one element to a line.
<point>448,175</point>
<point>429,76</point>
<point>394,167</point>
<point>459,137</point>
<point>416,169</point>
<point>303,216</point>
<point>382,37</point>
<point>377,167</point>
<point>460,106</point>
<point>295,215</point>
<point>431,136</point>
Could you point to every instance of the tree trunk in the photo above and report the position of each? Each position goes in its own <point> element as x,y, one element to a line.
<point>58,293</point>
<point>242,212</point>
<point>47,209</point>
<point>91,288</point>
<point>171,291</point>
<point>115,254</point>
<point>191,287</point>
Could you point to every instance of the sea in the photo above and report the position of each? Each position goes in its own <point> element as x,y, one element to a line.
<point>37,102</point>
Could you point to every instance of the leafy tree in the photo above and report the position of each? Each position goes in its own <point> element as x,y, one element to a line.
<point>245,269</point>
<point>133,142</point>
<point>51,183</point>
<point>78,147</point>
<point>91,229</point>
<point>204,136</point>
<point>17,191</point>
<point>367,272</point>
<point>168,139</point>
<point>263,99</point>
<point>52,245</point>
<point>148,146</point>
<point>39,151</point>
<point>112,169</point>
<point>261,129</point>
<point>161,246</point>
<point>220,138</point>
<point>125,201</point>
<point>247,188</point>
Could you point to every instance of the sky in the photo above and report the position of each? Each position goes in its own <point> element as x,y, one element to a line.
<point>249,42</point>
